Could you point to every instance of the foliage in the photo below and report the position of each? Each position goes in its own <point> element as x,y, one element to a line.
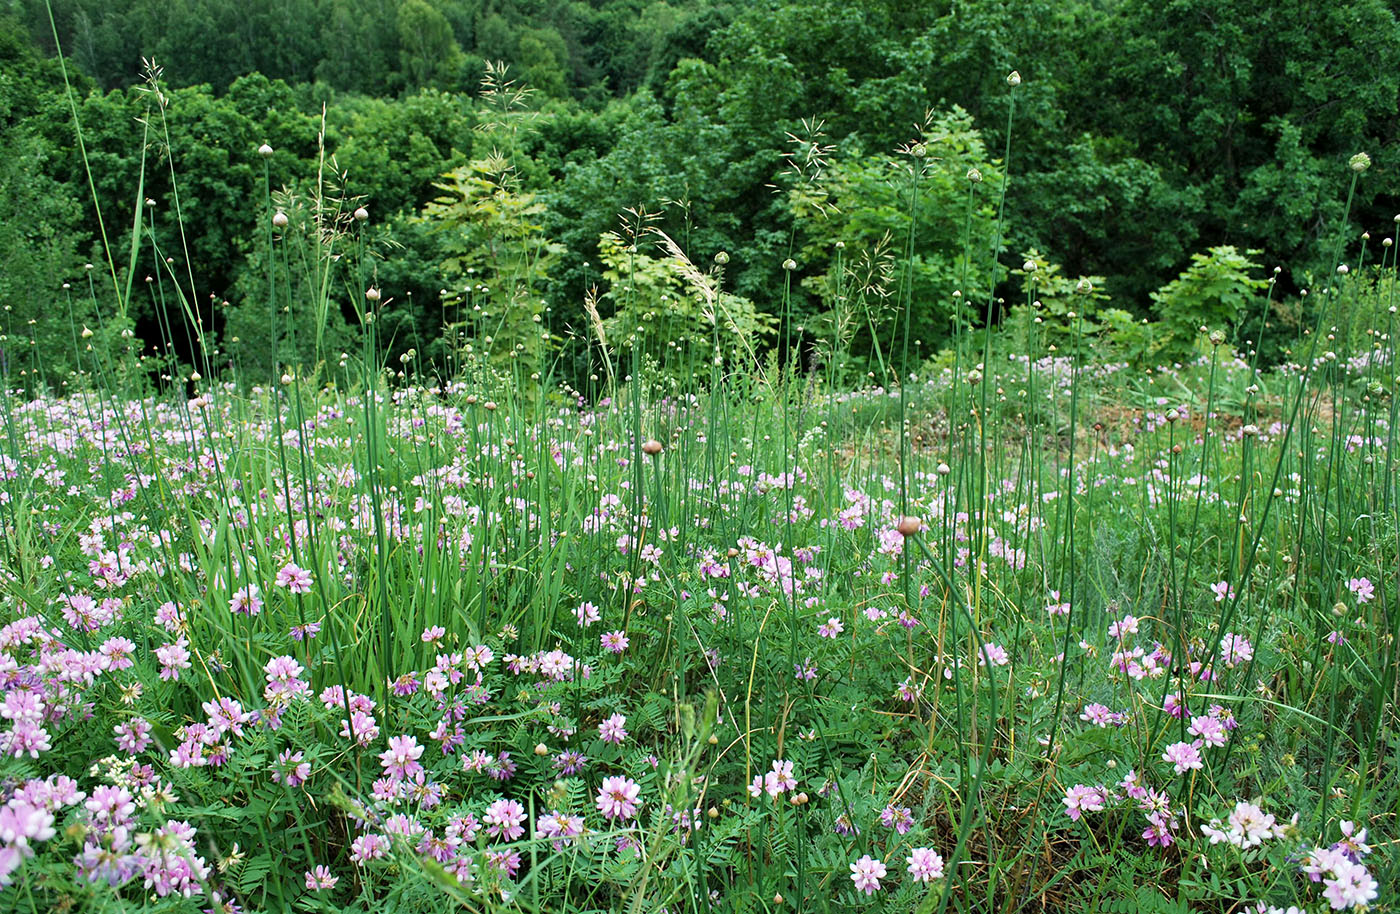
<point>1214,292</point>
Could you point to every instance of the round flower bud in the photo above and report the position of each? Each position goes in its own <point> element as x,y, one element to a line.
<point>974,176</point>
<point>1083,287</point>
<point>1028,266</point>
<point>918,151</point>
<point>286,379</point>
<point>361,214</point>
<point>789,264</point>
<point>541,749</point>
<point>944,469</point>
<point>908,525</point>
<point>372,294</point>
<point>1360,162</point>
<point>651,447</point>
<point>490,405</point>
<point>1343,269</point>
<point>1013,79</point>
<point>265,150</point>
<point>1217,337</point>
<point>279,220</point>
<point>722,258</point>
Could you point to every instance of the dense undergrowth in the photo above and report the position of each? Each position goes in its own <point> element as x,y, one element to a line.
<point>1026,628</point>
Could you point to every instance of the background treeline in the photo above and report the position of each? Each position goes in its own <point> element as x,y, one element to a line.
<point>1171,152</point>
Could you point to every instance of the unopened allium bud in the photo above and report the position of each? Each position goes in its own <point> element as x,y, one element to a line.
<point>651,447</point>
<point>1028,266</point>
<point>279,220</point>
<point>1217,337</point>
<point>361,214</point>
<point>196,376</point>
<point>908,525</point>
<point>944,469</point>
<point>1360,162</point>
<point>1013,79</point>
<point>840,245</point>
<point>87,332</point>
<point>541,749</point>
<point>1083,287</point>
<point>722,258</point>
<point>264,150</point>
<point>918,150</point>
<point>372,294</point>
<point>974,175</point>
<point>1173,415</point>
<point>1386,242</point>
<point>1343,269</point>
<point>789,264</point>
<point>287,379</point>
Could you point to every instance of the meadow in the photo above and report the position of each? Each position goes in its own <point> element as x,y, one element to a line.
<point>738,618</point>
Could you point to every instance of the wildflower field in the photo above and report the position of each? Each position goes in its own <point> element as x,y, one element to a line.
<point>684,602</point>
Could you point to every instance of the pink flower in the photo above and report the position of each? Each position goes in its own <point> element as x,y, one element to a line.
<point>320,878</point>
<point>866,873</point>
<point>400,760</point>
<point>1209,729</point>
<point>993,655</point>
<point>1235,649</point>
<point>296,580</point>
<point>924,864</point>
<point>1362,589</point>
<point>587,614</point>
<point>1080,799</point>
<point>173,658</point>
<point>1351,886</point>
<point>613,730</point>
<point>504,818</point>
<point>246,601</point>
<point>830,628</point>
<point>615,641</point>
<point>291,769</point>
<point>1222,590</point>
<point>133,736</point>
<point>900,818</point>
<point>368,847</point>
<point>118,653</point>
<point>617,799</point>
<point>1184,757</point>
<point>1158,832</point>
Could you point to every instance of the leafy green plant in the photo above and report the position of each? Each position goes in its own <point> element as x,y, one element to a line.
<point>1214,292</point>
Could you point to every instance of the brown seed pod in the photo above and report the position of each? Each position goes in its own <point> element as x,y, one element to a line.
<point>909,525</point>
<point>651,447</point>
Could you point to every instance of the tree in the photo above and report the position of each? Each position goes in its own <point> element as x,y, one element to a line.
<point>428,51</point>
